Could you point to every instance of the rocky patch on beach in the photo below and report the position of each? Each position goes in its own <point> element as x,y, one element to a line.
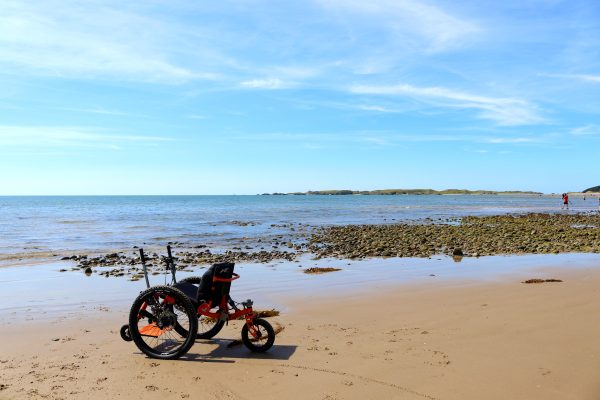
<point>473,236</point>
<point>320,270</point>
<point>537,280</point>
<point>124,264</point>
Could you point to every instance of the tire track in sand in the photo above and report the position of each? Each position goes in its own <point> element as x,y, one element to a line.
<point>363,378</point>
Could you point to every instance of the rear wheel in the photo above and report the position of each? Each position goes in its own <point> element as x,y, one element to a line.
<point>195,280</point>
<point>162,311</point>
<point>207,327</point>
<point>265,336</point>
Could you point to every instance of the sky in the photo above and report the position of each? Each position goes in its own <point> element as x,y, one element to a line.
<point>251,96</point>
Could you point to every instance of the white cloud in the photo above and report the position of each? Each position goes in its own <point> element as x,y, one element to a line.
<point>88,40</point>
<point>378,141</point>
<point>410,18</point>
<point>580,77</point>
<point>381,138</point>
<point>102,111</point>
<point>590,78</point>
<point>586,130</point>
<point>376,108</point>
<point>510,140</point>
<point>268,83</point>
<point>503,111</point>
<point>68,136</point>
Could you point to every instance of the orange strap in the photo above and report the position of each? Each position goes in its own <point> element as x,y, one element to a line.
<point>217,279</point>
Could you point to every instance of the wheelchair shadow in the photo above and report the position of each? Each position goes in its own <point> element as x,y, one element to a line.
<point>225,353</point>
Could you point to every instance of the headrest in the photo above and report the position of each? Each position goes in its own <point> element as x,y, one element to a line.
<point>223,270</point>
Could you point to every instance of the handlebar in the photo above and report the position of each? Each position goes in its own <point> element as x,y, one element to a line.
<point>143,260</point>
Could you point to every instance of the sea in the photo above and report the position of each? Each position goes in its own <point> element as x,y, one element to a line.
<point>60,224</point>
<point>36,232</point>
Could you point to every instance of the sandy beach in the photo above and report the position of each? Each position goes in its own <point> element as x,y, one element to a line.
<point>446,339</point>
<point>408,191</point>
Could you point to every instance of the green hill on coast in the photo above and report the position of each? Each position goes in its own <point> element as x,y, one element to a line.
<point>404,191</point>
<point>595,189</point>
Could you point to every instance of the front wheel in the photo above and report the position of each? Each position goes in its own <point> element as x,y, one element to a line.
<point>154,318</point>
<point>265,336</point>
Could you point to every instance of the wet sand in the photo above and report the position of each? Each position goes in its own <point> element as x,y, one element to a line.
<point>437,339</point>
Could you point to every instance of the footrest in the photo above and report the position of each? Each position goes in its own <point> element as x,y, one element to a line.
<point>153,330</point>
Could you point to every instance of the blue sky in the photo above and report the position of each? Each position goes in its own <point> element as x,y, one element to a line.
<point>244,97</point>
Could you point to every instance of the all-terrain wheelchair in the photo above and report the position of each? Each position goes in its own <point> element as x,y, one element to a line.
<point>165,320</point>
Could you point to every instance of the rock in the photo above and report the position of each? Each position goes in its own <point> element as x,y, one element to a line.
<point>489,235</point>
<point>88,271</point>
<point>457,252</point>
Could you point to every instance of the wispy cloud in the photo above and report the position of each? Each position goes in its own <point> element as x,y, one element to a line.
<point>586,130</point>
<point>510,140</point>
<point>68,136</point>
<point>90,39</point>
<point>382,138</point>
<point>267,83</point>
<point>375,108</point>
<point>102,111</point>
<point>409,18</point>
<point>503,111</point>
<point>579,77</point>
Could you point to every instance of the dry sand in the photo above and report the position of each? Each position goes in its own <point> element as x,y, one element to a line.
<point>503,340</point>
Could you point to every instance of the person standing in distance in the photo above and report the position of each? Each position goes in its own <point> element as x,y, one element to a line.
<point>565,201</point>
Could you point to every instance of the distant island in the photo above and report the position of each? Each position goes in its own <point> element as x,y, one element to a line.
<point>595,189</point>
<point>388,192</point>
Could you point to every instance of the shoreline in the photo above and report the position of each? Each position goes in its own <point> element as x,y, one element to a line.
<point>467,236</point>
<point>442,340</point>
<point>43,291</point>
<point>100,226</point>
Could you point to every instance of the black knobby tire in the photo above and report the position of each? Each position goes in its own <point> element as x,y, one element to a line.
<point>125,335</point>
<point>174,345</point>
<point>207,327</point>
<point>265,342</point>
<point>195,280</point>
<point>210,332</point>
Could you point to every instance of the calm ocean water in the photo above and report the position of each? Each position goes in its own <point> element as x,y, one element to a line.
<point>98,223</point>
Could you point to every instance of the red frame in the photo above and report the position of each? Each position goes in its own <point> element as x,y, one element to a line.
<point>204,308</point>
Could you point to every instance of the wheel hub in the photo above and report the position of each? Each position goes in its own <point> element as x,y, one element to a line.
<point>166,319</point>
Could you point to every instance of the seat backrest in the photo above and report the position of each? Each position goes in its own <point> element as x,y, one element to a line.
<point>214,291</point>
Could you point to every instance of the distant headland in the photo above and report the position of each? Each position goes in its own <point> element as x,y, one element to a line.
<point>392,192</point>
<point>595,189</point>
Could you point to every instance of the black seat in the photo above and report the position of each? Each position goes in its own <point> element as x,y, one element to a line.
<point>190,290</point>
<point>209,290</point>
<point>214,291</point>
